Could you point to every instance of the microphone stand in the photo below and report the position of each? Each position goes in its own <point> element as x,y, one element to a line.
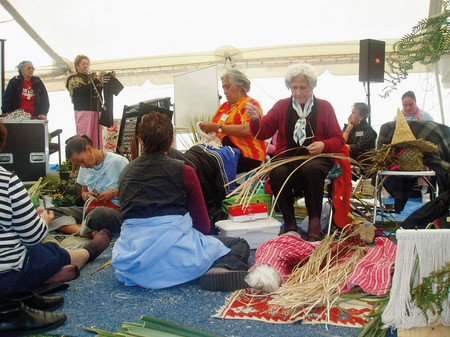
<point>99,100</point>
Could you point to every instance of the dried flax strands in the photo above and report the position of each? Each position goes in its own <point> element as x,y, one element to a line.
<point>257,176</point>
<point>318,282</point>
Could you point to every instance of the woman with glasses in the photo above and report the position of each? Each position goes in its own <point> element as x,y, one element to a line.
<point>306,125</point>
<point>26,92</point>
<point>230,123</point>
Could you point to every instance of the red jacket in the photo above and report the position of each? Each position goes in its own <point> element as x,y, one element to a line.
<point>327,130</point>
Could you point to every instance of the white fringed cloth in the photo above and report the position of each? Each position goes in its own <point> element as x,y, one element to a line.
<point>432,249</point>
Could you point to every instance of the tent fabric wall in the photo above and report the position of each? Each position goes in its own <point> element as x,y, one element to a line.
<point>339,58</point>
<point>185,35</point>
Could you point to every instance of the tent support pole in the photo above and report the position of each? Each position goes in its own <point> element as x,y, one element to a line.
<point>2,67</point>
<point>438,87</point>
<point>30,31</point>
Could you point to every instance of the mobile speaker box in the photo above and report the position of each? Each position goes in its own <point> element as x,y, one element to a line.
<point>26,150</point>
<point>371,60</point>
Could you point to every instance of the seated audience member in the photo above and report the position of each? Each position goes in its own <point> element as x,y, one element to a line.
<point>26,92</point>
<point>410,109</point>
<point>26,263</point>
<point>99,176</point>
<point>306,125</point>
<point>358,134</point>
<point>412,113</point>
<point>231,122</point>
<point>162,241</point>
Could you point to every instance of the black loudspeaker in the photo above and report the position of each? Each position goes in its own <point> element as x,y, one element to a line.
<point>26,150</point>
<point>371,60</point>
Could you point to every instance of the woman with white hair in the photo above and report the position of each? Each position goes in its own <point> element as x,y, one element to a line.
<point>306,125</point>
<point>231,121</point>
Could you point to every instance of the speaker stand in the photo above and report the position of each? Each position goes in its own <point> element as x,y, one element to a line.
<point>368,99</point>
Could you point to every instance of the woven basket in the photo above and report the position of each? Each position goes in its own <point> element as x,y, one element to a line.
<point>365,188</point>
<point>410,159</point>
<point>365,230</point>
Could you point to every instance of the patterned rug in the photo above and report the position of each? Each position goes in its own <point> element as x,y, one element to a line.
<point>67,241</point>
<point>247,304</point>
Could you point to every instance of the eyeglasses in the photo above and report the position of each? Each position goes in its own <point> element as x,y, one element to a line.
<point>29,68</point>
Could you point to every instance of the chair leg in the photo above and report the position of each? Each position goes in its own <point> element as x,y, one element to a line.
<point>59,151</point>
<point>330,221</point>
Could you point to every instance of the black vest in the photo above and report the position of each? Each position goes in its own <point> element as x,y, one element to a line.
<point>152,185</point>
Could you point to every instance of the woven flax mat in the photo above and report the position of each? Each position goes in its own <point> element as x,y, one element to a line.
<point>247,304</point>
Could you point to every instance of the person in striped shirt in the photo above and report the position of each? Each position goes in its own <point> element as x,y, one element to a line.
<point>26,262</point>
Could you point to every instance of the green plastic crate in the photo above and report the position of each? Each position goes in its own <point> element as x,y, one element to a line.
<point>260,197</point>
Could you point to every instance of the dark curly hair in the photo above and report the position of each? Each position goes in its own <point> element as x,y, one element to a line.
<point>156,132</point>
<point>3,135</point>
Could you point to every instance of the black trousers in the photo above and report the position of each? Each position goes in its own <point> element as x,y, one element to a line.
<point>237,258</point>
<point>307,181</point>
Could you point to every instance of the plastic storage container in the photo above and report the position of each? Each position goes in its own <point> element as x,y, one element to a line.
<point>254,232</point>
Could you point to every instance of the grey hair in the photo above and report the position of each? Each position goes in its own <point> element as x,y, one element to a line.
<point>21,65</point>
<point>237,78</point>
<point>301,69</point>
<point>363,108</point>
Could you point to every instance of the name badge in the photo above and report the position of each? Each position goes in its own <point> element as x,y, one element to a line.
<point>359,133</point>
<point>224,117</point>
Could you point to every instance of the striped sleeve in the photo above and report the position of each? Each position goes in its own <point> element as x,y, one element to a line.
<point>19,223</point>
<point>25,221</point>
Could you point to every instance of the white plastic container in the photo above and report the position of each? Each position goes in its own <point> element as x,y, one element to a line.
<point>254,232</point>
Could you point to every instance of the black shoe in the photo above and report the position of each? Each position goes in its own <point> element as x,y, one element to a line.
<point>18,319</point>
<point>35,301</point>
<point>50,288</point>
<point>229,280</point>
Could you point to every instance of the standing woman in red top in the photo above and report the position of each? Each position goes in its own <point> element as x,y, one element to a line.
<point>26,92</point>
<point>231,122</point>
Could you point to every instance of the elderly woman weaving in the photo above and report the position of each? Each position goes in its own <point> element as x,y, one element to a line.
<point>231,121</point>
<point>305,125</point>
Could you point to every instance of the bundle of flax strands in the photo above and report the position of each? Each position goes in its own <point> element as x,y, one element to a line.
<point>257,176</point>
<point>319,280</point>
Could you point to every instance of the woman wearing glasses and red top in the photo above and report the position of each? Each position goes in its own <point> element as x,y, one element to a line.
<point>306,125</point>
<point>26,92</point>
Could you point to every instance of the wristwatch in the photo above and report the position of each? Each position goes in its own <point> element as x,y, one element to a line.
<point>219,129</point>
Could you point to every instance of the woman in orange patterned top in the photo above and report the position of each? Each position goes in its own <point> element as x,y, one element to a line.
<point>231,122</point>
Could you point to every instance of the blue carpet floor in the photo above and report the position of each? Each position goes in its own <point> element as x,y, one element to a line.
<point>100,301</point>
<point>412,205</point>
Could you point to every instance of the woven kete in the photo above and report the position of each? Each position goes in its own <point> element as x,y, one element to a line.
<point>410,159</point>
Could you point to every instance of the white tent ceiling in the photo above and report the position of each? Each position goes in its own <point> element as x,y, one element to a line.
<point>159,39</point>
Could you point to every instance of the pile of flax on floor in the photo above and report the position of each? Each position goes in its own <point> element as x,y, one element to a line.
<point>319,280</point>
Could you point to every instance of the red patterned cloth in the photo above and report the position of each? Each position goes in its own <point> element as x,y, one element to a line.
<point>248,304</point>
<point>283,253</point>
<point>373,272</point>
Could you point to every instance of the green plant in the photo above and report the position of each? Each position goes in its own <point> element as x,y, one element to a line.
<point>66,166</point>
<point>64,193</point>
<point>35,190</point>
<point>434,291</point>
<point>428,41</point>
